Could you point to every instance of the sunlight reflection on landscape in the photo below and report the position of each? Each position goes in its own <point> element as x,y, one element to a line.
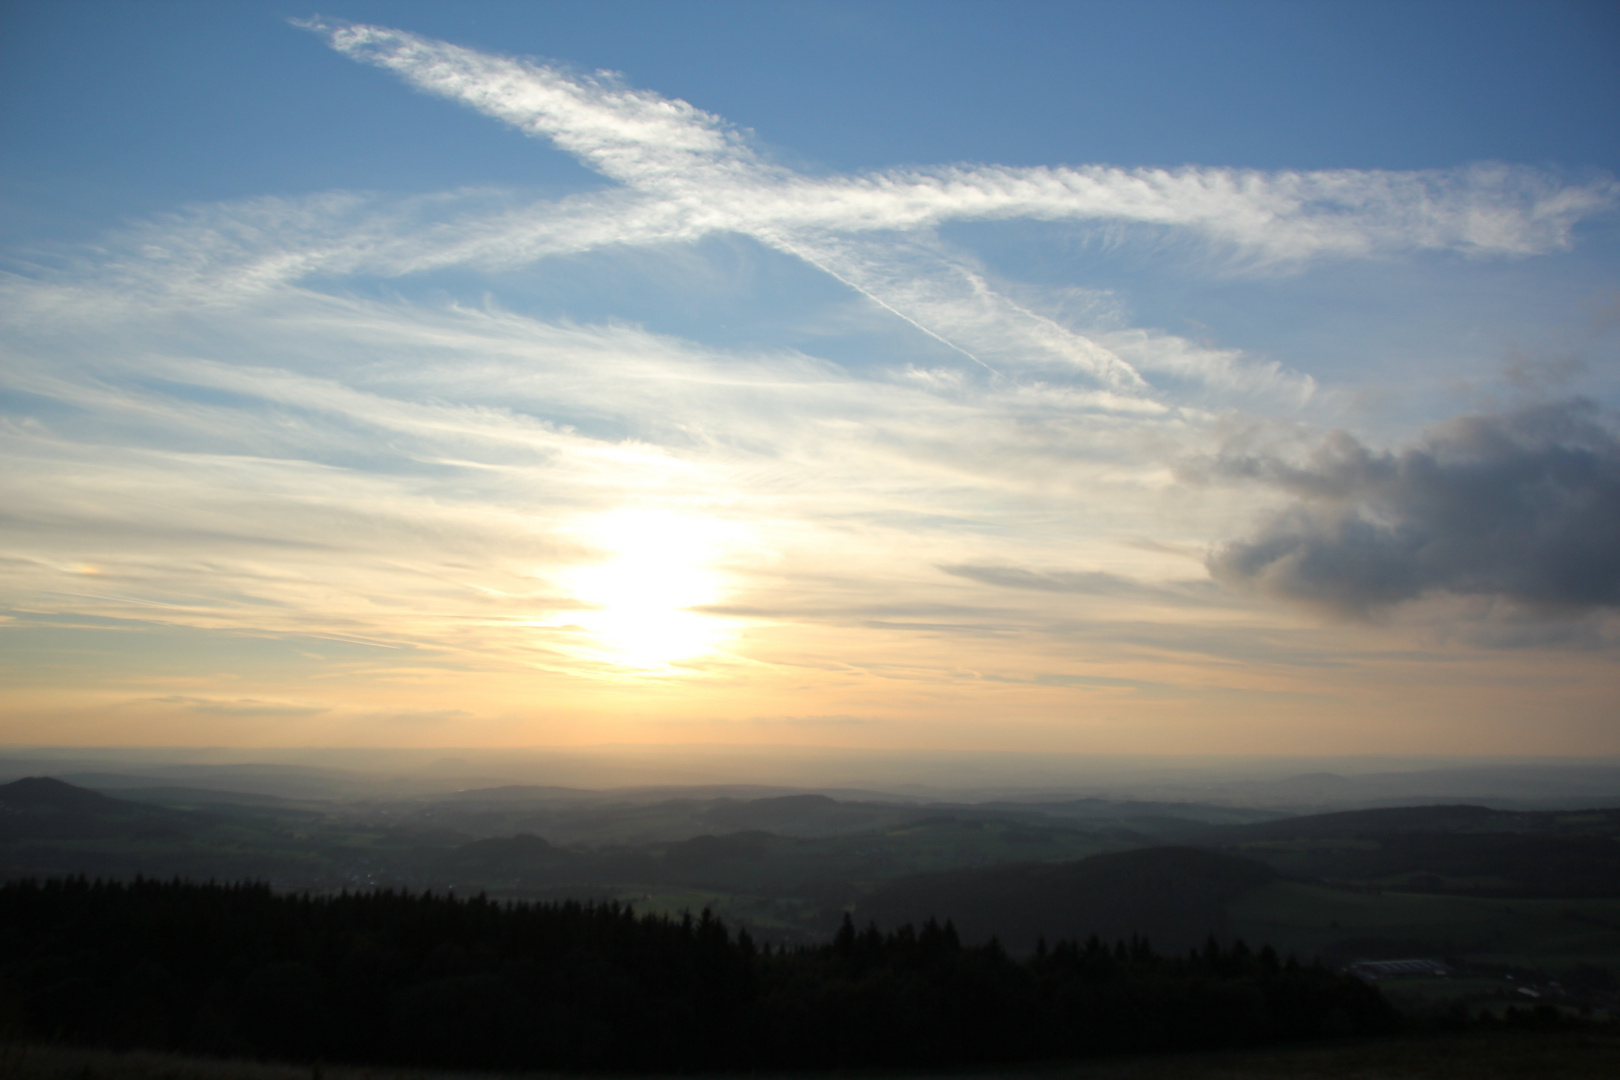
<point>640,597</point>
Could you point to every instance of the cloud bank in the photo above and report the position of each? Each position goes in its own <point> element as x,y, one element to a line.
<point>1523,506</point>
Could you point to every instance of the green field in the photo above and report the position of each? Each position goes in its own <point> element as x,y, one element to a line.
<point>1547,935</point>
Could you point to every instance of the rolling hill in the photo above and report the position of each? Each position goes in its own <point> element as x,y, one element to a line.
<point>1176,896</point>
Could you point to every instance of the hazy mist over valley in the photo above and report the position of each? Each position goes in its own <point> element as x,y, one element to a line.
<point>673,830</point>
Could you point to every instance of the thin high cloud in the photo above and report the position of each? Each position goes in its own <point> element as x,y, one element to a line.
<point>677,152</point>
<point>426,507</point>
<point>1088,583</point>
<point>683,174</point>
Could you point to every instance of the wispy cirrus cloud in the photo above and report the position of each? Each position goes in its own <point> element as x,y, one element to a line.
<point>683,174</point>
<point>245,707</point>
<point>650,143</point>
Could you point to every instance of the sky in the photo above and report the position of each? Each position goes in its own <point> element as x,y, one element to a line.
<point>1126,378</point>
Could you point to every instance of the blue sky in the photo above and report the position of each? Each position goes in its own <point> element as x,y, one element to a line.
<point>1140,377</point>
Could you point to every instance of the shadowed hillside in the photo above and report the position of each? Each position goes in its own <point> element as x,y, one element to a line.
<point>1470,850</point>
<point>48,827</point>
<point>1176,896</point>
<point>40,807</point>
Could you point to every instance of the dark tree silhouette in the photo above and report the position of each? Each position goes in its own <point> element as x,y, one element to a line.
<point>390,978</point>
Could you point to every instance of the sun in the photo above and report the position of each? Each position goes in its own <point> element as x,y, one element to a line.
<point>640,599</point>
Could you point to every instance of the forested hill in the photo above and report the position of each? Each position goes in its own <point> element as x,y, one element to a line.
<point>1177,896</point>
<point>40,807</point>
<point>1469,850</point>
<point>389,978</point>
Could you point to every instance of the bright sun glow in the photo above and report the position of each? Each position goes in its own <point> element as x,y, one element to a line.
<point>641,596</point>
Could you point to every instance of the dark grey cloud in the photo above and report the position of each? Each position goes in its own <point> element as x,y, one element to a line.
<point>1522,506</point>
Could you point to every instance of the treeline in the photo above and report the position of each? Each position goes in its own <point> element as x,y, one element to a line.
<point>423,980</point>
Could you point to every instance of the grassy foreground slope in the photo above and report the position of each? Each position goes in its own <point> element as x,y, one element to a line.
<point>1510,1055</point>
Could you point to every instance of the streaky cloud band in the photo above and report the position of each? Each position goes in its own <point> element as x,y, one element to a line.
<point>695,159</point>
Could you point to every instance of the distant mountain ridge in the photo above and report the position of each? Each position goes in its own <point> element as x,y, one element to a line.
<point>51,828</point>
<point>39,807</point>
<point>35,793</point>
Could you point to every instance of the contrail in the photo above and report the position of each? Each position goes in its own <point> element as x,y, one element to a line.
<point>835,275</point>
